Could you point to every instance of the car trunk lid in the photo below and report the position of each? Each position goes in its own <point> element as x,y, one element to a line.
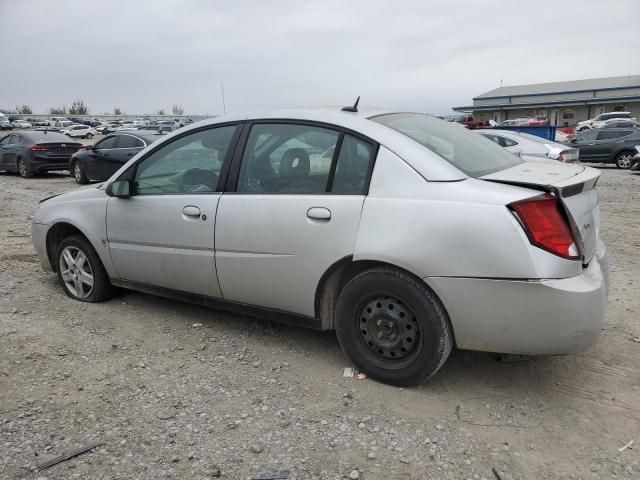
<point>574,185</point>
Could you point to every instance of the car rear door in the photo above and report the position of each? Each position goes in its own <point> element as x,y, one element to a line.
<point>4,143</point>
<point>93,159</point>
<point>292,210</point>
<point>163,235</point>
<point>10,154</point>
<point>586,142</point>
<point>608,142</point>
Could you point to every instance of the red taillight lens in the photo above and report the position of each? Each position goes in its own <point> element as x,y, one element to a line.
<point>546,225</point>
<point>38,148</point>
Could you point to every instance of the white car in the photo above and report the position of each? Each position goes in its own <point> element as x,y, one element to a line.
<point>597,122</point>
<point>530,147</point>
<point>20,124</point>
<point>413,236</point>
<point>82,131</point>
<point>58,121</point>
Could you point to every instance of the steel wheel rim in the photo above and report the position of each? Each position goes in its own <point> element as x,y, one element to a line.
<point>389,331</point>
<point>625,160</point>
<point>76,171</point>
<point>22,167</point>
<point>76,272</point>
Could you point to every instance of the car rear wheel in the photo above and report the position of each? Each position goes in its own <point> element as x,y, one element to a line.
<point>393,327</point>
<point>24,169</point>
<point>78,173</point>
<point>80,271</point>
<point>624,159</point>
<point>89,135</point>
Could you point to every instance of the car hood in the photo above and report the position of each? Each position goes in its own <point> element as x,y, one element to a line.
<point>81,193</point>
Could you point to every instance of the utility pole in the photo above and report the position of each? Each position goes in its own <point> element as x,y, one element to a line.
<point>224,105</point>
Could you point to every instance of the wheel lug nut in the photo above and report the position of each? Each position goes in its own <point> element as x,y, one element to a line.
<point>379,334</point>
<point>379,322</point>
<point>391,324</point>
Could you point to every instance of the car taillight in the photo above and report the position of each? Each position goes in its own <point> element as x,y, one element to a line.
<point>546,225</point>
<point>38,148</point>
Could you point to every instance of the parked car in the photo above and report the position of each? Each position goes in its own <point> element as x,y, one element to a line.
<point>38,122</point>
<point>635,160</point>
<point>415,235</point>
<point>620,123</point>
<point>59,122</point>
<point>82,131</point>
<point>596,122</point>
<point>5,124</point>
<point>470,123</point>
<point>539,121</point>
<point>20,124</point>
<point>514,122</point>
<point>100,161</point>
<point>32,152</point>
<point>111,128</point>
<point>531,147</point>
<point>607,145</point>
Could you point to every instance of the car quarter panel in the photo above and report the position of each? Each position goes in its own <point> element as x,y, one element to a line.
<point>449,229</point>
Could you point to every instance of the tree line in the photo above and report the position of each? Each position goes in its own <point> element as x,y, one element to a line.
<point>78,107</point>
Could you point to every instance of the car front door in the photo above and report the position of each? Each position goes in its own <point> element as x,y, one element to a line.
<point>4,143</point>
<point>293,211</point>
<point>163,235</point>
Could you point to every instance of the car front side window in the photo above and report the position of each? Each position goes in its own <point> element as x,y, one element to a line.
<point>109,142</point>
<point>190,164</point>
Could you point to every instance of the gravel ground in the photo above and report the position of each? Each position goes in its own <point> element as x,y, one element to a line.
<point>178,391</point>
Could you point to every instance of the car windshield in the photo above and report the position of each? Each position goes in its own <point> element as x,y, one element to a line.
<point>473,154</point>
<point>534,138</point>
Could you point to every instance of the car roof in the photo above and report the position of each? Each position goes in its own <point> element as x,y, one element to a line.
<point>147,137</point>
<point>426,163</point>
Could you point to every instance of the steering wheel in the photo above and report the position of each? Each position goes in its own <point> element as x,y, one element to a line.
<point>197,177</point>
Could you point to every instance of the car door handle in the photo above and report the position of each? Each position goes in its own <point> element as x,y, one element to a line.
<point>319,213</point>
<point>590,144</point>
<point>191,211</point>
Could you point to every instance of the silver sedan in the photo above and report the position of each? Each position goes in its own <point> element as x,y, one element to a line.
<point>405,234</point>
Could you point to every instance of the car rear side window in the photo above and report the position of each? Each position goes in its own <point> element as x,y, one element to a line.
<point>287,159</point>
<point>189,164</point>
<point>467,151</point>
<point>109,142</point>
<point>128,141</point>
<point>609,134</point>
<point>355,161</point>
<point>14,139</point>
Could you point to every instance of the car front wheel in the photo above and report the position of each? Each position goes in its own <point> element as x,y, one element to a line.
<point>624,159</point>
<point>80,271</point>
<point>393,327</point>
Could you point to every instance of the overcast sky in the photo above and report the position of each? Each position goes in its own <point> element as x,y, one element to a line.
<point>424,56</point>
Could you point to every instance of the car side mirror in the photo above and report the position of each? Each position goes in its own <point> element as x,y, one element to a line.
<point>574,140</point>
<point>119,189</point>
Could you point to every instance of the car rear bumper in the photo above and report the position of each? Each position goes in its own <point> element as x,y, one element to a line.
<point>45,164</point>
<point>39,239</point>
<point>528,317</point>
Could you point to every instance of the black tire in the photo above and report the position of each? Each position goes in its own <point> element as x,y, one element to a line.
<point>25,170</point>
<point>89,135</point>
<point>78,173</point>
<point>361,331</point>
<point>624,159</point>
<point>101,289</point>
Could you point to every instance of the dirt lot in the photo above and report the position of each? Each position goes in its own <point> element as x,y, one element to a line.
<point>178,391</point>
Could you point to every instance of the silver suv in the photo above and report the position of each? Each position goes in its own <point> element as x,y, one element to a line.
<point>404,233</point>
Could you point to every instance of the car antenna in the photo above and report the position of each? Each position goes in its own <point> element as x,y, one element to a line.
<point>354,108</point>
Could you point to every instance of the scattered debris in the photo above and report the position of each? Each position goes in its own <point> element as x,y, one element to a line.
<point>361,376</point>
<point>636,339</point>
<point>256,448</point>
<point>354,475</point>
<point>197,325</point>
<point>347,372</point>
<point>495,472</point>
<point>624,447</point>
<point>67,456</point>
<point>272,475</point>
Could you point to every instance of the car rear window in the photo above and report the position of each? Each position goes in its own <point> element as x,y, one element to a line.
<point>473,154</point>
<point>48,137</point>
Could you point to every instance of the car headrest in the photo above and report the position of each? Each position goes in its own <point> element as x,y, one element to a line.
<point>295,163</point>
